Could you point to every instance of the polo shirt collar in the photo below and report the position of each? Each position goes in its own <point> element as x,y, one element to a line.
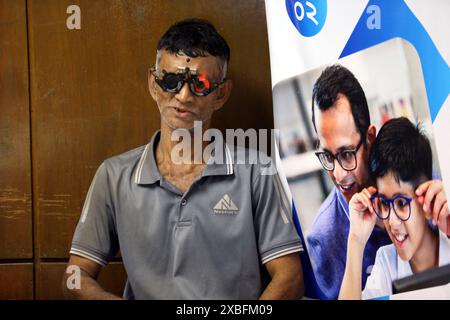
<point>342,203</point>
<point>147,171</point>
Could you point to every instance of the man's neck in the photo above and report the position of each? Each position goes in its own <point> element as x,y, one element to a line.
<point>181,175</point>
<point>194,143</point>
<point>427,254</point>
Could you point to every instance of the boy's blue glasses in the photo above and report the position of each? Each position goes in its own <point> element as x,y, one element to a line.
<point>382,206</point>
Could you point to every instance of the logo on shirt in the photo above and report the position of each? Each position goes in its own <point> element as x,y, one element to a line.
<point>226,206</point>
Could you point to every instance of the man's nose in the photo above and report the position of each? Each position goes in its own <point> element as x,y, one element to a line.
<point>338,172</point>
<point>185,94</point>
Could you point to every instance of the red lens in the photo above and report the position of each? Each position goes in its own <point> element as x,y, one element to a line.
<point>201,83</point>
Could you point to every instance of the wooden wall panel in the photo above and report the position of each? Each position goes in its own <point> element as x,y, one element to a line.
<point>15,168</point>
<point>112,279</point>
<point>16,281</point>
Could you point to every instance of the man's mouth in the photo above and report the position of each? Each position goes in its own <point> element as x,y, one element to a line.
<point>345,188</point>
<point>181,111</point>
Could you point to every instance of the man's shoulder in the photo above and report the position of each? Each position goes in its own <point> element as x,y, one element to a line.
<point>327,212</point>
<point>246,160</point>
<point>327,222</point>
<point>126,160</point>
<point>241,154</point>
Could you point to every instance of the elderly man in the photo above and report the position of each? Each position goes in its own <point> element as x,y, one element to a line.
<point>198,230</point>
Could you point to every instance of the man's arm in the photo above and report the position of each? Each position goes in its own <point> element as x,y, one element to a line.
<point>287,278</point>
<point>89,288</point>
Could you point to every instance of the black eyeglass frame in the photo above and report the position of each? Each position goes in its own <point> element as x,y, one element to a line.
<point>337,155</point>
<point>183,77</point>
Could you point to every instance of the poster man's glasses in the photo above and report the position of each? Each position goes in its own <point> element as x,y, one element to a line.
<point>346,158</point>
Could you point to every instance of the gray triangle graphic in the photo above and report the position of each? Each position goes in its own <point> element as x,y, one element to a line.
<point>226,204</point>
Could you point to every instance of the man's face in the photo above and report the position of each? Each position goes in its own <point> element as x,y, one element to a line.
<point>405,235</point>
<point>337,132</point>
<point>180,110</point>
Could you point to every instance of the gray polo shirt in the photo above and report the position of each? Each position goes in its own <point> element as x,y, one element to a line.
<point>208,243</point>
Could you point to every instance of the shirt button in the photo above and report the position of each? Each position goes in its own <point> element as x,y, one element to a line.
<point>183,202</point>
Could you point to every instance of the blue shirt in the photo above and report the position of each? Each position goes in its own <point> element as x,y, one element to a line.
<point>327,244</point>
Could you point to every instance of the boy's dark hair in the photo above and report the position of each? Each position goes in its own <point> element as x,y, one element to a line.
<point>337,79</point>
<point>403,150</point>
<point>194,37</point>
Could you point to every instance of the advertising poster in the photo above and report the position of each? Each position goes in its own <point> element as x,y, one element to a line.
<point>360,91</point>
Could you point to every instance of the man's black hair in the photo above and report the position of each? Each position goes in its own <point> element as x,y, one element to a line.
<point>337,79</point>
<point>403,150</point>
<point>194,38</point>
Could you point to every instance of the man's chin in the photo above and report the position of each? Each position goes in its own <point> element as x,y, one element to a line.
<point>179,125</point>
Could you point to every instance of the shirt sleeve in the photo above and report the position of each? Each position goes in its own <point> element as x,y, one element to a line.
<point>95,236</point>
<point>379,283</point>
<point>274,226</point>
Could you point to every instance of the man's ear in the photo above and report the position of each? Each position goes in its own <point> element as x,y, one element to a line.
<point>151,84</point>
<point>371,135</point>
<point>223,93</point>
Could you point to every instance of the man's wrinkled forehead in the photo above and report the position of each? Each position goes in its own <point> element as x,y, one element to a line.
<point>208,65</point>
<point>189,70</point>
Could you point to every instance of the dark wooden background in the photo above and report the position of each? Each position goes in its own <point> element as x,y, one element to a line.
<point>71,98</point>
